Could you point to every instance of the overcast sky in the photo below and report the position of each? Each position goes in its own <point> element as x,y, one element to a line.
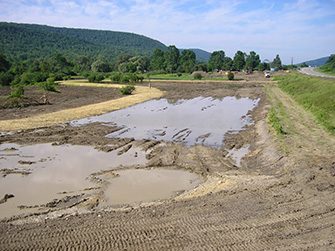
<point>298,29</point>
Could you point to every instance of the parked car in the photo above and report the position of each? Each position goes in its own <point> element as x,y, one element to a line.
<point>267,74</point>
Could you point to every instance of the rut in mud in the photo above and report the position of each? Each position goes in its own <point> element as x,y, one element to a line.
<point>282,197</point>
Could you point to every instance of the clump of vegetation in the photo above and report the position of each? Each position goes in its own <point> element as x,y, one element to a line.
<point>230,76</point>
<point>116,77</point>
<point>95,78</point>
<point>126,78</point>
<point>49,86</point>
<point>198,76</point>
<point>316,95</point>
<point>6,78</point>
<point>275,123</point>
<point>18,93</point>
<point>329,66</point>
<point>127,90</point>
<point>14,103</point>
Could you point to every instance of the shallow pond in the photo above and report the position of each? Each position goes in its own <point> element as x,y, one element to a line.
<point>38,174</point>
<point>192,121</point>
<point>137,185</point>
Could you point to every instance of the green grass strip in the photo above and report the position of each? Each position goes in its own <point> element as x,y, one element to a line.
<point>316,95</point>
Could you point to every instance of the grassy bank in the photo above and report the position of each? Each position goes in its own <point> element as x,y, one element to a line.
<point>316,95</point>
<point>329,72</point>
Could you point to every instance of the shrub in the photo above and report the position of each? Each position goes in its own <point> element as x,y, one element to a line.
<point>127,90</point>
<point>18,93</point>
<point>198,76</point>
<point>49,87</point>
<point>116,77</point>
<point>95,78</point>
<point>230,76</point>
<point>32,78</point>
<point>6,78</point>
<point>56,76</point>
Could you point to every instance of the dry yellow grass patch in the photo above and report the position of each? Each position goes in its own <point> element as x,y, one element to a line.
<point>140,95</point>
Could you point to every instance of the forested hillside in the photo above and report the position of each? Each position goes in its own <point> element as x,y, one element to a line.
<point>316,62</point>
<point>24,41</point>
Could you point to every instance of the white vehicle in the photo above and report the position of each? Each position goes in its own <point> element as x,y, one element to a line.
<point>267,74</point>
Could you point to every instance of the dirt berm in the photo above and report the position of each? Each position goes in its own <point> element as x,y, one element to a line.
<point>282,198</point>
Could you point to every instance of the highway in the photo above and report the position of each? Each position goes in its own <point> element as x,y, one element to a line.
<point>311,71</point>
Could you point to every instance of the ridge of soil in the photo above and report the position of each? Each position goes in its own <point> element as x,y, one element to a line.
<point>281,198</point>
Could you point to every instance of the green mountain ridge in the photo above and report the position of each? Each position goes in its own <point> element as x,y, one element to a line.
<point>23,41</point>
<point>316,62</point>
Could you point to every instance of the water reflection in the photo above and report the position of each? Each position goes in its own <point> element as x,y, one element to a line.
<point>37,174</point>
<point>188,121</point>
<point>148,185</point>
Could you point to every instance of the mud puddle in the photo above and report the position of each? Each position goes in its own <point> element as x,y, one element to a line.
<point>188,121</point>
<point>38,174</point>
<point>37,178</point>
<point>137,186</point>
<point>237,154</point>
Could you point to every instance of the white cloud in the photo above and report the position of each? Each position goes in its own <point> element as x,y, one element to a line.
<point>303,27</point>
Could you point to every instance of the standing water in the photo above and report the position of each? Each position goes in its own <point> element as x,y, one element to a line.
<point>193,121</point>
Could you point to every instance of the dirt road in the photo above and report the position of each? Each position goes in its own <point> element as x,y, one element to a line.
<point>282,198</point>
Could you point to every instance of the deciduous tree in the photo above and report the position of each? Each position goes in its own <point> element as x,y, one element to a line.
<point>276,63</point>
<point>252,60</point>
<point>172,59</point>
<point>239,60</point>
<point>187,61</point>
<point>216,60</point>
<point>158,60</point>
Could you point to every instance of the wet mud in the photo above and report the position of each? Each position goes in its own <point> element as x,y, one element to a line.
<point>251,195</point>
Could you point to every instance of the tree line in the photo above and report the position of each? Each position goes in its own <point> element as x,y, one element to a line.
<point>59,67</point>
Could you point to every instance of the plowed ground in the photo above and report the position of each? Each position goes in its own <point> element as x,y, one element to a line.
<point>282,198</point>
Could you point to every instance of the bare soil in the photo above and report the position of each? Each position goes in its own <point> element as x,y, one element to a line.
<point>282,198</point>
<point>67,97</point>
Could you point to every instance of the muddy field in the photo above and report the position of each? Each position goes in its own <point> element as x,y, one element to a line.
<point>280,197</point>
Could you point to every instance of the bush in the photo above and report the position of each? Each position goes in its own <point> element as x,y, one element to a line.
<point>67,77</point>
<point>130,78</point>
<point>32,78</point>
<point>95,78</point>
<point>198,76</point>
<point>6,78</point>
<point>230,76</point>
<point>116,77</point>
<point>49,87</point>
<point>127,90</point>
<point>56,76</point>
<point>18,93</point>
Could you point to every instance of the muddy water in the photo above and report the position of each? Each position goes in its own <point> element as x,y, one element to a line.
<point>193,121</point>
<point>38,174</point>
<point>237,154</point>
<point>148,185</point>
